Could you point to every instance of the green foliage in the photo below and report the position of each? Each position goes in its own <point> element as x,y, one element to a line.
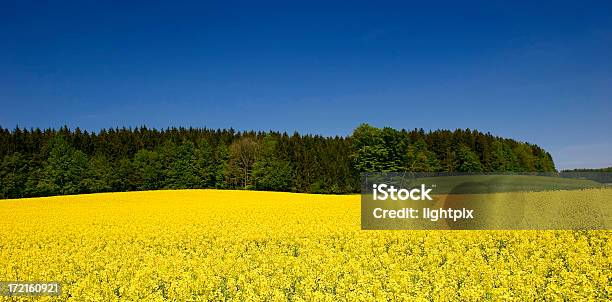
<point>148,168</point>
<point>468,160</point>
<point>388,150</point>
<point>369,151</point>
<point>50,162</point>
<point>128,177</point>
<point>64,171</point>
<point>419,159</point>
<point>100,175</point>
<point>502,161</point>
<point>608,169</point>
<point>526,160</point>
<point>204,166</point>
<point>13,176</point>
<point>220,166</point>
<point>269,171</point>
<point>181,167</point>
<point>376,150</point>
<point>242,156</point>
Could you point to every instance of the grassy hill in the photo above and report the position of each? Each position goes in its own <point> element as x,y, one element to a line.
<point>475,184</point>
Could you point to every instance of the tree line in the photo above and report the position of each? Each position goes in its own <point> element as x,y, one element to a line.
<point>62,161</point>
<point>608,169</point>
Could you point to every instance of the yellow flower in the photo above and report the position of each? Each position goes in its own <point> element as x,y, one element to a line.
<point>203,245</point>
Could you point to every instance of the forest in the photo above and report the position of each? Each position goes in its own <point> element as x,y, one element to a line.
<point>64,161</point>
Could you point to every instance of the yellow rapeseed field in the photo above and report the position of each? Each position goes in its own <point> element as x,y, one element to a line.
<point>202,245</point>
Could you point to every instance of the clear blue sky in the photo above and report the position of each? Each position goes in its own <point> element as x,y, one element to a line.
<point>535,72</point>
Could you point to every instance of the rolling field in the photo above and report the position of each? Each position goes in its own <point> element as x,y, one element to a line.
<point>202,245</point>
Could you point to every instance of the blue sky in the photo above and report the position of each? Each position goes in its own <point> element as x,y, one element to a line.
<point>534,72</point>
